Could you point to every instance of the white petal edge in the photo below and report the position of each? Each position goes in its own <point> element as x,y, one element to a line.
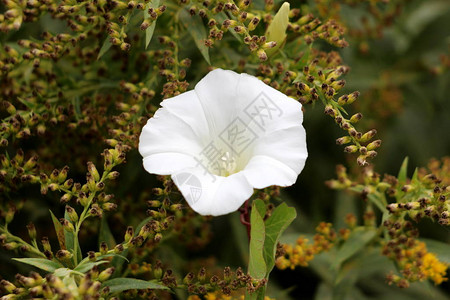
<point>165,132</point>
<point>288,146</point>
<point>168,163</point>
<point>281,111</point>
<point>263,171</point>
<point>218,195</point>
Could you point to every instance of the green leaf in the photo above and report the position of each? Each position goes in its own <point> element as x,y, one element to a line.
<point>357,240</point>
<point>415,176</point>
<point>257,265</point>
<point>114,255</point>
<point>70,240</point>
<point>195,27</point>
<point>149,31</point>
<point>122,284</point>
<point>375,199</point>
<point>280,219</point>
<point>41,263</point>
<point>402,176</point>
<point>277,29</point>
<point>59,231</point>
<point>84,267</point>
<point>62,272</point>
<point>106,45</point>
<point>140,225</point>
<point>105,234</point>
<point>403,172</point>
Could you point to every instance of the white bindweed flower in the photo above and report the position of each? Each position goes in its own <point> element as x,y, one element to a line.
<point>231,134</point>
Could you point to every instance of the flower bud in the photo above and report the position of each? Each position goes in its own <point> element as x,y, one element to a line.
<point>9,107</point>
<point>67,225</point>
<point>65,198</point>
<point>253,23</point>
<point>9,216</point>
<point>368,135</point>
<point>103,248</point>
<point>343,140</point>
<point>262,55</point>
<point>355,118</point>
<point>157,270</point>
<point>351,149</point>
<point>188,278</point>
<point>201,275</point>
<point>63,254</point>
<point>104,275</point>
<point>129,234</point>
<point>11,246</point>
<point>93,170</point>
<point>46,244</point>
<point>7,286</point>
<point>72,213</point>
<point>373,145</point>
<point>108,206</point>
<point>31,231</point>
<point>361,160</point>
<point>118,249</point>
<point>83,199</point>
<point>158,237</point>
<point>113,175</point>
<point>392,208</point>
<point>153,203</point>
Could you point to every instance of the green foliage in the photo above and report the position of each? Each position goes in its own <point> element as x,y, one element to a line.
<point>122,284</point>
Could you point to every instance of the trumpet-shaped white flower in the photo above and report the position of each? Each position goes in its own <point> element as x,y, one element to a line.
<point>231,134</point>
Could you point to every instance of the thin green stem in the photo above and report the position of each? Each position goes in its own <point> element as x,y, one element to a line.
<point>30,248</point>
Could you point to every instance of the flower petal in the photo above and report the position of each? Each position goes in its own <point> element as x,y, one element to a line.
<point>209,194</point>
<point>168,163</point>
<point>187,107</point>
<point>277,158</point>
<point>217,92</point>
<point>263,171</point>
<point>167,142</point>
<point>264,108</point>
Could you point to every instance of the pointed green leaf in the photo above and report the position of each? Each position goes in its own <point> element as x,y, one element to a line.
<point>86,266</point>
<point>114,255</point>
<point>106,45</point>
<point>357,240</point>
<point>149,31</point>
<point>41,263</point>
<point>280,219</point>
<point>69,236</point>
<point>257,266</point>
<point>59,231</point>
<point>415,178</point>
<point>403,172</point>
<point>195,27</point>
<point>122,284</point>
<point>62,272</point>
<point>402,176</point>
<point>375,199</point>
<point>70,240</point>
<point>277,29</point>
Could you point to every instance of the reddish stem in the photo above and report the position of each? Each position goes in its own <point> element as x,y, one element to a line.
<point>245,217</point>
